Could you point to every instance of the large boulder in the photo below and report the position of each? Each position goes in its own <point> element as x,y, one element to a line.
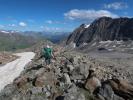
<point>74,94</point>
<point>40,81</point>
<point>106,93</point>
<point>21,81</point>
<point>92,82</point>
<point>122,88</point>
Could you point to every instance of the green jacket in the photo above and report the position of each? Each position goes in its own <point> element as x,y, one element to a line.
<point>47,52</point>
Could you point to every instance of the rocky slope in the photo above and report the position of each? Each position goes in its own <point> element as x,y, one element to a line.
<point>103,29</point>
<point>103,73</point>
<point>6,57</point>
<point>73,76</point>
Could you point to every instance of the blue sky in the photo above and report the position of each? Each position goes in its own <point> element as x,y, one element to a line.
<point>58,15</point>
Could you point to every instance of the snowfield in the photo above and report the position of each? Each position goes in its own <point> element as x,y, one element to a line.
<point>13,69</point>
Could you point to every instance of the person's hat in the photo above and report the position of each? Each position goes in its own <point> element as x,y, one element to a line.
<point>48,46</point>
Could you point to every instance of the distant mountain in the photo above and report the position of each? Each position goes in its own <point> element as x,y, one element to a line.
<point>103,29</point>
<point>54,37</point>
<point>10,41</point>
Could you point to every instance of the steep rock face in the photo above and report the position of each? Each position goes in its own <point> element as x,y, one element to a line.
<point>103,29</point>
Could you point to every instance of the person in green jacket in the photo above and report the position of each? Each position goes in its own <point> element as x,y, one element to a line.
<point>48,54</point>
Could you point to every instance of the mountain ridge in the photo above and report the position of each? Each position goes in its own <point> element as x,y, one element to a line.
<point>103,29</point>
<point>12,41</point>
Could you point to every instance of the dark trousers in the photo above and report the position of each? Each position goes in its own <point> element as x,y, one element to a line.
<point>48,61</point>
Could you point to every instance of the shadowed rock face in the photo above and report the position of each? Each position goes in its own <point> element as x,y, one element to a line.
<point>103,29</point>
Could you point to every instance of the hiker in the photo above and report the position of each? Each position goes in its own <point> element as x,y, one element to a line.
<point>48,54</point>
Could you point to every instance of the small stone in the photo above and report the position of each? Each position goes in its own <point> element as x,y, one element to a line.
<point>36,90</point>
<point>48,94</point>
<point>48,87</point>
<point>70,68</point>
<point>67,79</point>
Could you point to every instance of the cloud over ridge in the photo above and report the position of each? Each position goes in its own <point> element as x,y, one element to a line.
<point>116,5</point>
<point>22,24</point>
<point>88,14</point>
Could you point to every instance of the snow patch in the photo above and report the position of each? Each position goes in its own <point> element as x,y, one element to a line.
<point>87,26</point>
<point>108,41</point>
<point>84,44</point>
<point>114,46</point>
<point>107,45</point>
<point>13,69</point>
<point>73,45</point>
<point>110,49</point>
<point>5,32</point>
<point>93,44</point>
<point>119,42</point>
<point>103,42</point>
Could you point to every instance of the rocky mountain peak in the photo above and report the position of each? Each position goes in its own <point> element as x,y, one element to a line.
<point>103,29</point>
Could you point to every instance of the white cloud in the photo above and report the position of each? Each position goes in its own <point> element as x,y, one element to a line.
<point>49,21</point>
<point>116,5</point>
<point>12,25</point>
<point>55,22</point>
<point>51,29</point>
<point>22,24</point>
<point>88,14</point>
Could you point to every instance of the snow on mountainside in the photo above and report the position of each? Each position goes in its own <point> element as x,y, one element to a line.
<point>4,31</point>
<point>87,25</point>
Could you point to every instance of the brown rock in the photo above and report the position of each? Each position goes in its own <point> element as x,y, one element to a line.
<point>45,79</point>
<point>40,81</point>
<point>21,81</point>
<point>122,88</point>
<point>92,82</point>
